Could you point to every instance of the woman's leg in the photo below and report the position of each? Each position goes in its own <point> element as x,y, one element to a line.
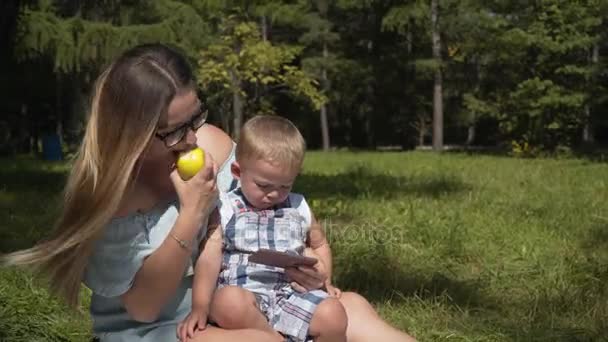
<point>365,325</point>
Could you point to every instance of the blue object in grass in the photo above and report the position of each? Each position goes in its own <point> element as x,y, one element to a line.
<point>51,147</point>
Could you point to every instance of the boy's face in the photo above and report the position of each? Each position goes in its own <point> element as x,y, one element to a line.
<point>264,183</point>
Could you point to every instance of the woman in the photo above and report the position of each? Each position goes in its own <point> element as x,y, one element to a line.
<point>130,226</point>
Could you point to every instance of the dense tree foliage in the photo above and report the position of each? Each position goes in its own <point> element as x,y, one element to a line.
<point>361,73</point>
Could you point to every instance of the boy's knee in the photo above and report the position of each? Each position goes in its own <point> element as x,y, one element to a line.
<point>230,303</point>
<point>332,315</point>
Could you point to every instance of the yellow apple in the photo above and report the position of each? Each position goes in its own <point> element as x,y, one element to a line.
<point>189,163</point>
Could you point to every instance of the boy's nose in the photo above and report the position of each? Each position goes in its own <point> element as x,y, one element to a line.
<point>273,194</point>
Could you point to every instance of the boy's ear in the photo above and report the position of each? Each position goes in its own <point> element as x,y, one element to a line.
<point>235,168</point>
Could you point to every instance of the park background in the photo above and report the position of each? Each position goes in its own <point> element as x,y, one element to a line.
<point>457,147</point>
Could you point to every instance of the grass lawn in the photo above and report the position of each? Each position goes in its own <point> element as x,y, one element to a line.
<point>448,247</point>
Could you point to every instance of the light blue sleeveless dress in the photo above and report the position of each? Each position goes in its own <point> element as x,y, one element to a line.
<point>117,257</point>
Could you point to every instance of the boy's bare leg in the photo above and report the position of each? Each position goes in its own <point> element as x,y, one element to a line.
<point>214,334</point>
<point>329,322</point>
<point>236,308</point>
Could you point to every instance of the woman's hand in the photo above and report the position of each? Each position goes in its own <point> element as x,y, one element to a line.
<point>198,194</point>
<point>305,278</point>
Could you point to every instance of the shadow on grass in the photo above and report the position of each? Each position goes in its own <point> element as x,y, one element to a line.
<point>553,321</point>
<point>592,153</point>
<point>18,177</point>
<point>362,182</point>
<point>29,196</point>
<point>548,331</point>
<point>379,277</point>
<point>597,238</point>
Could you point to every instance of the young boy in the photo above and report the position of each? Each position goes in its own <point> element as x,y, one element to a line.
<point>263,214</point>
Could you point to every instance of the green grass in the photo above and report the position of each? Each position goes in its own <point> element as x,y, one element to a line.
<point>447,247</point>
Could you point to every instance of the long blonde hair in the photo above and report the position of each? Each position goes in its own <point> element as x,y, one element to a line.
<point>129,99</point>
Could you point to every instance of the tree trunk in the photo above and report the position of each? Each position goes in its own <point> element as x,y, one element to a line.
<point>588,137</point>
<point>58,107</point>
<point>421,129</point>
<point>409,37</point>
<point>264,25</point>
<point>587,129</point>
<point>438,84</point>
<point>226,114</point>
<point>471,134</point>
<point>24,135</point>
<point>237,107</point>
<point>473,119</point>
<point>324,123</point>
<point>259,89</point>
<point>369,141</point>
<point>324,128</point>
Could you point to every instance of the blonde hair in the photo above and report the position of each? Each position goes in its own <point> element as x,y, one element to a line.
<point>129,99</point>
<point>271,138</point>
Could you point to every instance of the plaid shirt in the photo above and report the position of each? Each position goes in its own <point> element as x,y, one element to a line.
<point>246,229</point>
<point>282,228</point>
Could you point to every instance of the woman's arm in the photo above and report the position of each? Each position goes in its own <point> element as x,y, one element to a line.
<point>208,266</point>
<point>206,273</point>
<point>163,271</point>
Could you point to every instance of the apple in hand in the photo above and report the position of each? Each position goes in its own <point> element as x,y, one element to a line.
<point>189,163</point>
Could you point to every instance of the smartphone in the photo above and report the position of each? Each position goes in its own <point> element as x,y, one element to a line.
<point>280,259</point>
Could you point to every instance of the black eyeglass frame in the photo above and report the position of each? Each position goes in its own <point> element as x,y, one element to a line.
<point>182,129</point>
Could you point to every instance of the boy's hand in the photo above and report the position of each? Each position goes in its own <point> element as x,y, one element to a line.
<point>196,320</point>
<point>305,278</point>
<point>309,252</point>
<point>332,290</point>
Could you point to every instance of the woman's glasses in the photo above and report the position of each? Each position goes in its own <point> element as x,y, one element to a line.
<point>177,135</point>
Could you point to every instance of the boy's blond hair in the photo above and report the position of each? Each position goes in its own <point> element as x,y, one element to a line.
<point>272,138</point>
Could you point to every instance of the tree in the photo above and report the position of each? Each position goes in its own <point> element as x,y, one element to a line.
<point>405,18</point>
<point>438,79</point>
<point>93,35</point>
<point>546,52</point>
<point>469,33</point>
<point>241,59</point>
<point>319,36</point>
<point>77,38</point>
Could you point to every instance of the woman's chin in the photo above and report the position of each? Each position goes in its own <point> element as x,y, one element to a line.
<point>157,177</point>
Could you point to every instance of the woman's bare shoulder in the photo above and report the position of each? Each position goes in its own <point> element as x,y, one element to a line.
<point>214,141</point>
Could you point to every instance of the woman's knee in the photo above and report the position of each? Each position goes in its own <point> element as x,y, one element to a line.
<point>356,305</point>
<point>365,324</point>
<point>229,303</point>
<point>331,316</point>
<point>353,299</point>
